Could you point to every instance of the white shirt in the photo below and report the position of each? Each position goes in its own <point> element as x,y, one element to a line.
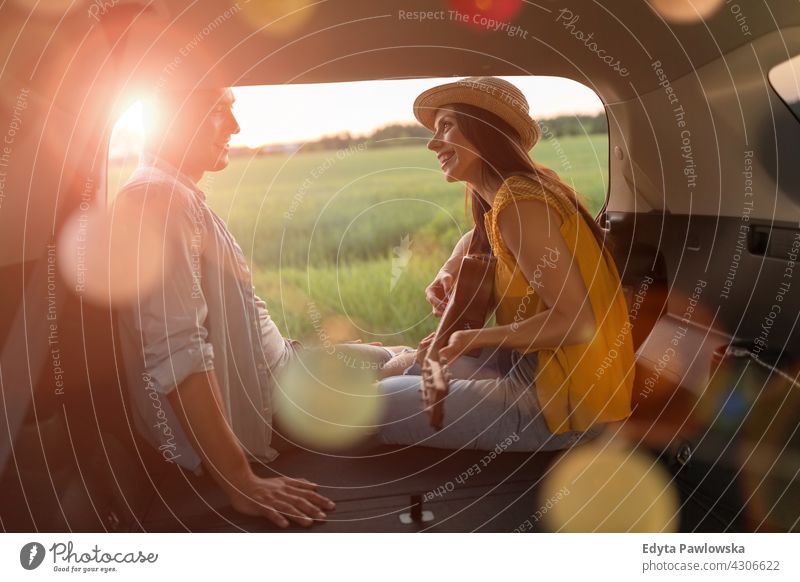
<point>203,315</point>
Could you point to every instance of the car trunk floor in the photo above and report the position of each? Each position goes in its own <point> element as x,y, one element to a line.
<point>458,491</point>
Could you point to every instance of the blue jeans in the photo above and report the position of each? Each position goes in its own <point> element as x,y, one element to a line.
<point>483,408</point>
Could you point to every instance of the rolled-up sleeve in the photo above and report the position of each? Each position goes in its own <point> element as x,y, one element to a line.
<point>169,317</point>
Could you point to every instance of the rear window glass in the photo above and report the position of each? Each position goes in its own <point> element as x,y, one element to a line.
<point>341,209</point>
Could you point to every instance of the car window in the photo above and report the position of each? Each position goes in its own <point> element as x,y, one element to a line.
<point>331,186</point>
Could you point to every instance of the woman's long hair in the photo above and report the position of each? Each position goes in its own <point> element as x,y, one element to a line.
<point>498,146</point>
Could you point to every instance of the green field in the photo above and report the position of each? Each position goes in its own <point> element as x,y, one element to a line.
<point>325,230</point>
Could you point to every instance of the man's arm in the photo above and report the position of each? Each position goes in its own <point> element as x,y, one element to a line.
<point>198,405</point>
<point>169,321</point>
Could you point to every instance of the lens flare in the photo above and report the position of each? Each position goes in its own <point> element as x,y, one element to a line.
<point>109,261</point>
<point>729,395</point>
<point>685,11</point>
<point>277,17</point>
<point>768,449</point>
<point>605,487</point>
<point>327,403</point>
<point>485,14</point>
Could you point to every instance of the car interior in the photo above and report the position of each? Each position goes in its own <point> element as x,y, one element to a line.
<point>703,209</point>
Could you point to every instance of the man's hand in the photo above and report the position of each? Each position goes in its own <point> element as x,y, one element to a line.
<point>280,499</point>
<point>438,292</point>
<point>198,404</point>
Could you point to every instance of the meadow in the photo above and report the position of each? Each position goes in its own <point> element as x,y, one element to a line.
<point>346,241</point>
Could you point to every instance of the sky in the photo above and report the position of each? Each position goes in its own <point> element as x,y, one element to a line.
<point>298,113</point>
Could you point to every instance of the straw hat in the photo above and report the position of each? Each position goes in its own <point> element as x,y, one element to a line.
<point>495,95</point>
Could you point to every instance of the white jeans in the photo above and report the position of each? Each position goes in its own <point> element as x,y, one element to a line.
<point>480,411</point>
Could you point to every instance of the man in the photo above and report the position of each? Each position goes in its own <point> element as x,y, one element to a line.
<point>200,348</point>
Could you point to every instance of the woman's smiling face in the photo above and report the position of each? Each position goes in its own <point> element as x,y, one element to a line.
<point>458,158</point>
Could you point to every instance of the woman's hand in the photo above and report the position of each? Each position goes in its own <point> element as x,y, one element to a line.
<point>459,343</point>
<point>424,345</point>
<point>438,292</point>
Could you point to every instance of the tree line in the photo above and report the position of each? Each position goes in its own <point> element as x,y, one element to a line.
<point>400,134</point>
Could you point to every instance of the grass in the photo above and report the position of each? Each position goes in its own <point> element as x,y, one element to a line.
<point>356,235</point>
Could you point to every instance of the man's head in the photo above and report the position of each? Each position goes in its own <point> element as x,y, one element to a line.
<point>191,130</point>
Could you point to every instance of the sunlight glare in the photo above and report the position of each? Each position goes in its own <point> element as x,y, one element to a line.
<point>128,133</point>
<point>606,487</point>
<point>110,260</point>
<point>327,404</point>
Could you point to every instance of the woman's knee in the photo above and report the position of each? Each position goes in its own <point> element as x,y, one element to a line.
<point>399,384</point>
<point>404,421</point>
<point>400,396</point>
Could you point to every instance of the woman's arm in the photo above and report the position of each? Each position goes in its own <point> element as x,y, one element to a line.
<point>438,291</point>
<point>459,251</point>
<point>530,230</point>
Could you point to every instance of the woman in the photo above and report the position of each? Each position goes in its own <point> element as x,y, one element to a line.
<point>560,310</point>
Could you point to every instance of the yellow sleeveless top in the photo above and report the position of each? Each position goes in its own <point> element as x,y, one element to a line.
<point>581,384</point>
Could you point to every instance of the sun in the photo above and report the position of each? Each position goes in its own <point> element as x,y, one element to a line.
<point>127,134</point>
<point>132,119</point>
